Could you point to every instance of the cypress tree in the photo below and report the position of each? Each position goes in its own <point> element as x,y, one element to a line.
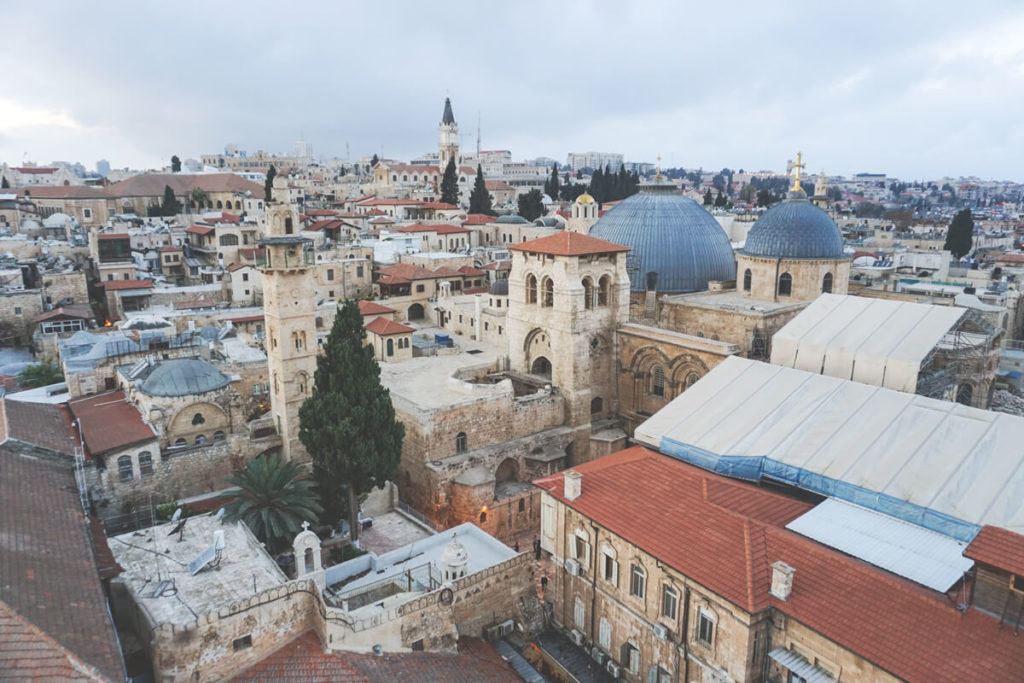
<point>597,190</point>
<point>175,164</point>
<point>555,185</point>
<point>708,199</point>
<point>480,198</point>
<point>960,235</point>
<point>348,424</point>
<point>530,205</point>
<point>450,184</point>
<point>171,205</point>
<point>269,184</point>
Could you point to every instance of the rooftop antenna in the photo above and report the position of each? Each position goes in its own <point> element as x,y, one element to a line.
<point>478,136</point>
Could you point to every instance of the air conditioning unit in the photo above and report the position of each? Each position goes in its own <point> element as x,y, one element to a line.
<point>506,628</point>
<point>598,655</point>
<point>614,669</point>
<point>573,567</point>
<point>577,636</point>
<point>661,632</point>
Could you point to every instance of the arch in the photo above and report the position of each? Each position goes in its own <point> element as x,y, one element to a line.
<point>213,418</point>
<point>145,464</point>
<point>785,287</point>
<point>180,442</point>
<point>301,381</point>
<point>218,436</point>
<point>531,288</point>
<point>390,347</point>
<point>220,204</point>
<point>238,205</point>
<point>201,440</point>
<point>826,283</point>
<point>508,470</point>
<point>229,240</point>
<point>588,292</point>
<point>747,277</point>
<point>288,228</point>
<point>415,312</point>
<point>307,560</point>
<point>548,292</point>
<point>658,381</point>
<point>541,366</point>
<point>461,442</point>
<point>604,290</point>
<point>596,405</point>
<point>965,394</point>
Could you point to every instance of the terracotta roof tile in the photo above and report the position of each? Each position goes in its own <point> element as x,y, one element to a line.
<point>373,308</point>
<point>245,319</point>
<point>407,271</point>
<point>40,424</point>
<point>478,219</point>
<point>200,229</point>
<point>113,285</point>
<point>998,547</point>
<point>385,327</point>
<point>439,228</point>
<point>471,271</point>
<point>108,422</point>
<point>27,653</point>
<point>568,244</point>
<point>62,192</point>
<point>113,236</point>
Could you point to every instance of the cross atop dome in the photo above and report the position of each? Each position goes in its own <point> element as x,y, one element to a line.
<point>791,166</point>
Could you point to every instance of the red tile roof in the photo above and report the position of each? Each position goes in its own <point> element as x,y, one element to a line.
<point>478,219</point>
<point>34,169</point>
<point>407,271</point>
<point>569,244</point>
<point>27,653</point>
<point>392,202</point>
<point>441,206</point>
<point>333,224</point>
<point>170,249</point>
<point>321,212</point>
<point>245,319</point>
<point>499,265</point>
<point>109,422</point>
<point>998,547</point>
<point>237,266</point>
<point>445,271</point>
<point>304,659</point>
<point>112,285</point>
<point>471,271</point>
<point>40,424</point>
<point>82,311</point>
<point>250,252</point>
<point>113,236</point>
<point>667,508</point>
<point>200,229</point>
<point>372,308</point>
<point>385,327</point>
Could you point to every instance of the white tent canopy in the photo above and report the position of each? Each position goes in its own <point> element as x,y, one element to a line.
<point>875,341</point>
<point>935,463</point>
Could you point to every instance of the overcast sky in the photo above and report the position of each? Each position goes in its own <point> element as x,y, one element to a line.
<point>913,89</point>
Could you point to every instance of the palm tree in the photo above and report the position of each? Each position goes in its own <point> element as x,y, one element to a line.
<point>273,498</point>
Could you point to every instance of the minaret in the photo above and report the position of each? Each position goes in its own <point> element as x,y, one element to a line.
<point>448,146</point>
<point>289,308</point>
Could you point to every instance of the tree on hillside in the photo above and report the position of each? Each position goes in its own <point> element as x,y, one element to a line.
<point>960,235</point>
<point>40,375</point>
<point>4,184</point>
<point>720,201</point>
<point>175,164</point>
<point>171,206</point>
<point>708,198</point>
<point>269,184</point>
<point>274,497</point>
<point>348,424</point>
<point>765,198</point>
<point>530,205</point>
<point>450,184</point>
<point>480,198</point>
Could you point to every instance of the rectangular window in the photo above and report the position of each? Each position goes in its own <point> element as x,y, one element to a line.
<point>610,569</point>
<point>245,277</point>
<point>359,271</point>
<point>419,288</point>
<point>636,582</point>
<point>705,629</point>
<point>124,468</point>
<point>87,214</point>
<point>581,550</point>
<point>145,464</point>
<point>243,643</point>
<point>330,274</point>
<point>669,602</point>
<point>17,310</point>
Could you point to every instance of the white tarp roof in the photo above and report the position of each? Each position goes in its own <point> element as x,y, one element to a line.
<point>913,552</point>
<point>900,453</point>
<point>875,341</point>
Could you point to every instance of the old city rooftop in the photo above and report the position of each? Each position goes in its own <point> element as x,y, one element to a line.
<point>568,244</point>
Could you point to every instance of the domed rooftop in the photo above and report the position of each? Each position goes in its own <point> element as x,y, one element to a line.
<point>794,228</point>
<point>499,288</point>
<point>512,219</point>
<point>668,234</point>
<point>454,554</point>
<point>183,376</point>
<point>584,199</point>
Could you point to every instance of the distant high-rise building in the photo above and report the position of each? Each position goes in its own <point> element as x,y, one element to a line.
<point>303,149</point>
<point>103,167</point>
<point>594,160</point>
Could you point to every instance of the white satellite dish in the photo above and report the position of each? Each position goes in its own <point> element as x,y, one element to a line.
<point>176,516</point>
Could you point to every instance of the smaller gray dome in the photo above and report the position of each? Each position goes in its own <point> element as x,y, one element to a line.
<point>499,288</point>
<point>512,220</point>
<point>182,377</point>
<point>794,228</point>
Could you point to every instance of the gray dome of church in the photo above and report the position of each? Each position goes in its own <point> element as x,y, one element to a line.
<point>511,219</point>
<point>182,377</point>
<point>794,228</point>
<point>670,235</point>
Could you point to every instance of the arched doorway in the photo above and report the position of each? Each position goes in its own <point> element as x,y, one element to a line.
<point>541,366</point>
<point>965,394</point>
<point>506,479</point>
<point>416,312</point>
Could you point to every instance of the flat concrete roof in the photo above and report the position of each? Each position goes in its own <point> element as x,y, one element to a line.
<point>732,300</point>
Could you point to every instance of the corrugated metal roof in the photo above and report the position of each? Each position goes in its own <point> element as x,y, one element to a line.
<point>800,666</point>
<point>913,552</point>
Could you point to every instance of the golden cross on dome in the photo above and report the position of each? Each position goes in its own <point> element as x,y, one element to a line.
<point>796,176</point>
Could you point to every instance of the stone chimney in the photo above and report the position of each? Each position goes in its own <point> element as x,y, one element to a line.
<point>782,580</point>
<point>573,484</point>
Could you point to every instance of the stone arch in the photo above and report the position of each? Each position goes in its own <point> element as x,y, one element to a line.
<point>588,292</point>
<point>826,283</point>
<point>228,240</point>
<point>965,394</point>
<point>541,366</point>
<point>596,405</point>
<point>508,470</point>
<point>604,290</point>
<point>415,312</point>
<point>302,382</point>
<point>685,371</point>
<point>184,423</point>
<point>547,287</point>
<point>220,204</point>
<point>747,278</point>
<point>238,205</point>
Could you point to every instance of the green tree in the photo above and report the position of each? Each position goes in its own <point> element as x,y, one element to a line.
<point>720,201</point>
<point>40,375</point>
<point>268,185</point>
<point>530,205</point>
<point>765,198</point>
<point>960,235</point>
<point>171,206</point>
<point>199,197</point>
<point>373,161</point>
<point>4,184</point>
<point>348,424</point>
<point>552,187</point>
<point>480,198</point>
<point>273,497</point>
<point>175,164</point>
<point>450,184</point>
<point>747,193</point>
<point>708,198</point>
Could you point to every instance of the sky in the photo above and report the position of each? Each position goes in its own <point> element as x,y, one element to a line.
<point>918,90</point>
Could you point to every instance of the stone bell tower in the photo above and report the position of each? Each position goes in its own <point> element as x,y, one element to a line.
<point>289,308</point>
<point>448,133</point>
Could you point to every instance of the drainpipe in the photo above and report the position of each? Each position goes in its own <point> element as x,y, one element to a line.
<point>775,286</point>
<point>593,586</point>
<point>685,637</point>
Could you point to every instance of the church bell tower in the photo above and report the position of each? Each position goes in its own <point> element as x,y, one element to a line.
<point>448,146</point>
<point>289,308</point>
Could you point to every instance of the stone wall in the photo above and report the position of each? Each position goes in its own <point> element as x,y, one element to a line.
<point>691,315</point>
<point>19,309</point>
<point>70,285</point>
<point>808,277</point>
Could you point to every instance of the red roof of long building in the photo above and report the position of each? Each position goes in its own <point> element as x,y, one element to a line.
<point>371,308</point>
<point>568,243</point>
<point>108,422</point>
<point>725,534</point>
<point>385,327</point>
<point>111,285</point>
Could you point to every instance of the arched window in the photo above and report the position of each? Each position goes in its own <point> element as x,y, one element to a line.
<point>391,347</point>
<point>588,293</point>
<point>181,442</point>
<point>965,394</point>
<point>220,204</point>
<point>218,436</point>
<point>596,405</point>
<point>124,467</point>
<point>198,419</point>
<point>691,379</point>
<point>460,442</point>
<point>288,229</point>
<point>483,516</point>
<point>145,464</point>
<point>549,293</point>
<point>604,290</point>
<point>307,560</point>
<point>228,240</point>
<point>746,280</point>
<point>785,284</point>
<point>826,283</point>
<point>201,440</point>
<point>579,612</point>
<point>238,205</point>
<point>658,381</point>
<point>531,289</point>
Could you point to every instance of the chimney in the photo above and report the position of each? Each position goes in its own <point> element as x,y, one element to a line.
<point>573,484</point>
<point>782,580</point>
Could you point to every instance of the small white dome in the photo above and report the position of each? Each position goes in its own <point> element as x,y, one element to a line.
<point>455,554</point>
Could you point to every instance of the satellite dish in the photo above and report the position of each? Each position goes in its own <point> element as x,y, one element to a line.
<point>176,516</point>
<point>179,528</point>
<point>219,516</point>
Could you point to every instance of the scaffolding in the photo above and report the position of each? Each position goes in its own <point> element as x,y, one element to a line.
<point>962,355</point>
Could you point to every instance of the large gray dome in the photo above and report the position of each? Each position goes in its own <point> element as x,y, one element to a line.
<point>794,228</point>
<point>671,235</point>
<point>183,376</point>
